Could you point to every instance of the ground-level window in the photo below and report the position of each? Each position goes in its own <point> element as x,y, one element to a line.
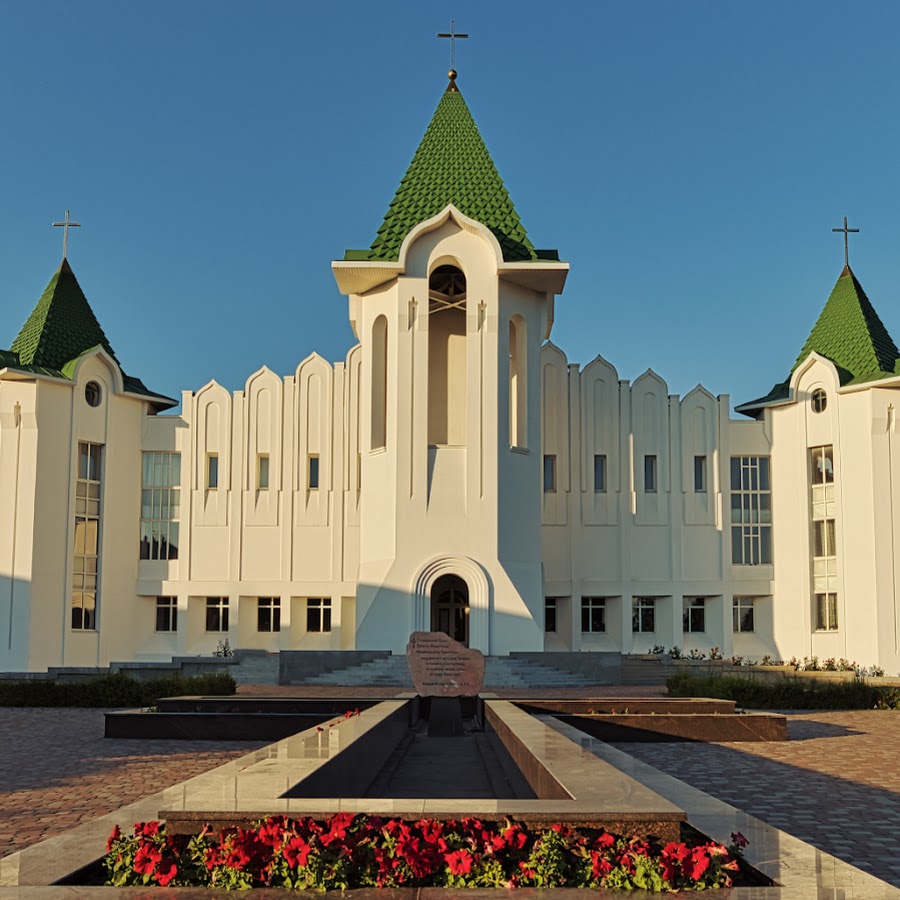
<point>318,614</point>
<point>593,615</point>
<point>742,614</point>
<point>86,555</point>
<point>268,614</point>
<point>826,612</point>
<point>751,511</point>
<point>166,614</point>
<point>643,615</point>
<point>694,615</point>
<point>550,611</point>
<point>217,614</point>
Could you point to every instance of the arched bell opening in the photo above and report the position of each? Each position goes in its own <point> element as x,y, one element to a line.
<point>447,357</point>
<point>450,608</point>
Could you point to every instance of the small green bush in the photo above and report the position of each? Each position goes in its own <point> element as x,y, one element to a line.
<point>112,690</point>
<point>786,693</point>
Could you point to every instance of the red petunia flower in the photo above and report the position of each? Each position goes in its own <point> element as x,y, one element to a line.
<point>605,840</point>
<point>166,871</point>
<point>296,852</point>
<point>600,865</point>
<point>460,862</point>
<point>738,839</point>
<point>699,863</point>
<point>116,834</point>
<point>146,829</point>
<point>146,858</point>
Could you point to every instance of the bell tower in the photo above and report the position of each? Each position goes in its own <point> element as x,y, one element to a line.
<point>450,304</point>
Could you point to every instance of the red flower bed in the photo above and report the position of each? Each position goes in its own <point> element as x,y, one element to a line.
<point>349,851</point>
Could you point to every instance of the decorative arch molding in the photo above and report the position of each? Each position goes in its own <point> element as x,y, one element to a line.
<point>212,433</point>
<point>479,585</point>
<point>72,369</point>
<point>263,419</point>
<point>809,363</point>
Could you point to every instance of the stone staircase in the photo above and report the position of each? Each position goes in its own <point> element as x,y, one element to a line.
<point>499,672</point>
<point>255,667</point>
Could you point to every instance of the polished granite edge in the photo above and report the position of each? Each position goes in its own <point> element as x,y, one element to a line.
<point>798,868</point>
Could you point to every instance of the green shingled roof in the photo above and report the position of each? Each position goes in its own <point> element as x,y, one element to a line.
<point>452,165</point>
<point>850,334</point>
<point>61,328</point>
<point>62,325</point>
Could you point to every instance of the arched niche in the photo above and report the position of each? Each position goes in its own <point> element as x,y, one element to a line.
<point>447,355</point>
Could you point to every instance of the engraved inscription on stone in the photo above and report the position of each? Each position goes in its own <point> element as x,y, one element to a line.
<point>442,667</point>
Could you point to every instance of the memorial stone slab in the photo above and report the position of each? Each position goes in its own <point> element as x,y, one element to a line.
<point>442,667</point>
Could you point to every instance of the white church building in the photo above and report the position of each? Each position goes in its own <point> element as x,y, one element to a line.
<point>455,472</point>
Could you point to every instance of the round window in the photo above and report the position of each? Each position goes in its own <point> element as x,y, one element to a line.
<point>92,393</point>
<point>819,400</point>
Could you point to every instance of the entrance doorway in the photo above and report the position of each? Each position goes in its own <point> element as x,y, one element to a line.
<point>450,608</point>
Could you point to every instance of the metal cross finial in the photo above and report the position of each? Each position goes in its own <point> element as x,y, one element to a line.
<point>66,226</point>
<point>847,231</point>
<point>453,34</point>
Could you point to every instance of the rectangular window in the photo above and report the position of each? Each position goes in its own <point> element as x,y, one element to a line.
<point>742,614</point>
<point>824,538</point>
<point>599,473</point>
<point>550,611</point>
<point>86,546</point>
<point>268,614</point>
<point>694,618</point>
<point>643,615</point>
<point>700,474</point>
<point>212,471</point>
<point>262,472</point>
<point>313,471</point>
<point>318,614</point>
<point>826,612</point>
<point>650,474</point>
<point>593,615</point>
<point>549,473</point>
<point>217,614</point>
<point>821,470</point>
<point>166,614</point>
<point>751,511</point>
<point>160,505</point>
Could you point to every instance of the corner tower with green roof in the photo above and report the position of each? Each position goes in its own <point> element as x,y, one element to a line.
<point>451,304</point>
<point>61,329</point>
<point>851,335</point>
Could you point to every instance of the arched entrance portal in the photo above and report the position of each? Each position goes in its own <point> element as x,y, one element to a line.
<point>450,608</point>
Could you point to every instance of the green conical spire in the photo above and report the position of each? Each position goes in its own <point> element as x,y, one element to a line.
<point>850,334</point>
<point>452,165</point>
<point>62,325</point>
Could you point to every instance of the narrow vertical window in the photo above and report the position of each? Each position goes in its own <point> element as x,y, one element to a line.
<point>599,473</point>
<point>549,473</point>
<point>650,474</point>
<point>826,612</point>
<point>643,615</point>
<point>86,556</point>
<point>160,505</point>
<point>518,385</point>
<point>550,611</point>
<point>212,471</point>
<point>313,471</point>
<point>700,474</point>
<point>822,465</point>
<point>379,383</point>
<point>262,472</point>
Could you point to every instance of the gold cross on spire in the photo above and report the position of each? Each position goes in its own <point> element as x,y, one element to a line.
<point>454,35</point>
<point>66,225</point>
<point>847,231</point>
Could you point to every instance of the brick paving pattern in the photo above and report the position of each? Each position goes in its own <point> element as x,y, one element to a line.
<point>835,784</point>
<point>57,770</point>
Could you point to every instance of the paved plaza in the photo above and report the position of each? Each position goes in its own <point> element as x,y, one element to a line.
<point>836,784</point>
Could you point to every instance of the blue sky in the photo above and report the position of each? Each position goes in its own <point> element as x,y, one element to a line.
<point>689,160</point>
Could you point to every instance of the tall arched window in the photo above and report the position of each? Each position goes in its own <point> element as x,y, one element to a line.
<point>518,383</point>
<point>379,383</point>
<point>447,356</point>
